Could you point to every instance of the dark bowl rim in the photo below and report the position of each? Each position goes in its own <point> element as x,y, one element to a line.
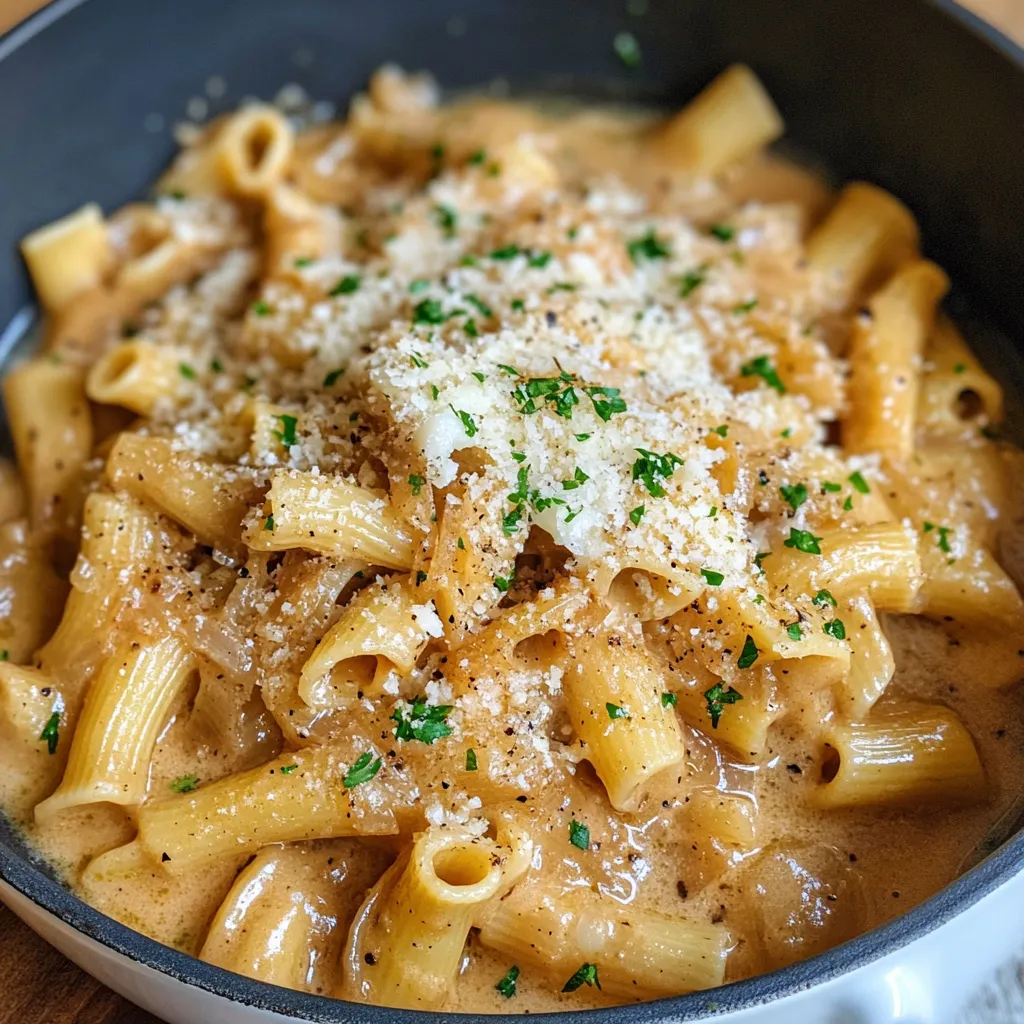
<point>18,871</point>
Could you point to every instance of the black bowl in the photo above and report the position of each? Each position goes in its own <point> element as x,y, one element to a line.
<point>920,97</point>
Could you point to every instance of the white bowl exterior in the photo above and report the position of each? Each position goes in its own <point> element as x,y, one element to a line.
<point>925,982</point>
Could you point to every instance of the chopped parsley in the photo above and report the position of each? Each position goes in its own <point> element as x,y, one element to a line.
<point>467,421</point>
<point>745,307</point>
<point>477,156</point>
<point>651,465</point>
<point>586,975</point>
<point>418,361</point>
<point>507,985</point>
<point>503,583</point>
<point>578,479</point>
<point>269,523</point>
<point>364,769</point>
<point>606,402</point>
<point>749,653</point>
<point>831,488</point>
<point>835,629</point>
<point>713,579</point>
<point>428,311</point>
<point>287,769</point>
<point>721,430</point>
<point>759,558</point>
<point>421,577</point>
<point>260,308</point>
<point>480,305</point>
<point>795,496</point>
<point>421,284</point>
<point>795,631</point>
<point>762,367</point>
<point>848,504</point>
<point>416,483</point>
<point>332,378</point>
<point>582,437</point>
<point>717,697</point>
<point>692,280</point>
<point>723,232</point>
<point>446,219</point>
<point>346,286</point>
<point>421,721</point>
<point>627,49</point>
<point>803,540</point>
<point>506,252</point>
<point>539,260</point>
<point>637,514</point>
<point>186,371</point>
<point>669,700</point>
<point>286,435</point>
<point>615,710</point>
<point>517,305</point>
<point>579,835</point>
<point>859,483</point>
<point>471,329</point>
<point>824,599</point>
<point>470,754</point>
<point>647,247</point>
<point>51,732</point>
<point>216,366</point>
<point>185,784</point>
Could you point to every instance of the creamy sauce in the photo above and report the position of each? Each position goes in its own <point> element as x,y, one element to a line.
<point>810,880</point>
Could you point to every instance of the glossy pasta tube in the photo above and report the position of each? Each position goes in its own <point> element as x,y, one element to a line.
<point>252,150</point>
<point>872,664</point>
<point>34,727</point>
<point>732,118</point>
<point>867,234</point>
<point>297,228</point>
<point>136,375</point>
<point>207,499</point>
<point>881,561</point>
<point>52,430</point>
<point>240,813</point>
<point>406,943</point>
<point>125,709</point>
<point>70,256</point>
<point>279,923</point>
<point>328,514</point>
<point>885,361</point>
<point>973,590</point>
<point>382,628</point>
<point>636,953</point>
<point>908,754</point>
<point>613,698</point>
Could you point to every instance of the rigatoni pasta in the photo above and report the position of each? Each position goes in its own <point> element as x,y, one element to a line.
<point>475,557</point>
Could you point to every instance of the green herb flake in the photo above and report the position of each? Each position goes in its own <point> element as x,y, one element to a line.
<point>721,431</point>
<point>416,483</point>
<point>287,769</point>
<point>421,577</point>
<point>477,156</point>
<point>471,329</point>
<point>637,514</point>
<point>627,49</point>
<point>859,483</point>
<point>749,653</point>
<point>582,437</point>
<point>507,985</point>
<point>428,311</point>
<point>503,583</point>
<point>759,558</point>
<point>421,721</point>
<point>506,252</point>
<point>579,835</point>
<point>794,496</point>
<point>835,629</point>
<point>446,219</point>
<point>651,466</point>
<point>713,579</point>
<point>578,479</point>
<point>434,392</point>
<point>303,261</point>
<point>830,488</point>
<point>647,247</point>
<point>517,306</point>
<point>606,401</point>
<point>286,435</point>
<point>480,305</point>
<point>745,307</point>
<point>795,631</point>
<point>185,784</point>
<point>539,260</point>
<point>421,284</point>
<point>468,423</point>
<point>51,732</point>
<point>944,532</point>
<point>718,697</point>
<point>186,371</point>
<point>723,232</point>
<point>669,700</point>
<point>615,710</point>
<point>471,763</point>
<point>848,504</point>
<point>692,280</point>
<point>803,540</point>
<point>346,286</point>
<point>824,599</point>
<point>762,367</point>
<point>959,368</point>
<point>364,769</point>
<point>333,377</point>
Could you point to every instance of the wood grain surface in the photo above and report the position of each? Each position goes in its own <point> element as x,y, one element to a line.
<point>38,986</point>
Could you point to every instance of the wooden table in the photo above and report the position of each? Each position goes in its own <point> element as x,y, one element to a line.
<point>37,985</point>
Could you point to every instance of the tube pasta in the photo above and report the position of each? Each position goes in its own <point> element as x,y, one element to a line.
<point>406,942</point>
<point>31,706</point>
<point>241,813</point>
<point>207,499</point>
<point>732,118</point>
<point>125,709</point>
<point>381,630</point>
<point>279,923</point>
<point>136,375</point>
<point>252,150</point>
<point>330,515</point>
<point>636,953</point>
<point>871,660</point>
<point>867,234</point>
<point>613,696</point>
<point>68,257</point>
<point>906,754</point>
<point>52,431</point>
<point>885,361</point>
<point>298,228</point>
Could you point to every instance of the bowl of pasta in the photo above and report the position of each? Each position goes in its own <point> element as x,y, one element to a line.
<point>512,507</point>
